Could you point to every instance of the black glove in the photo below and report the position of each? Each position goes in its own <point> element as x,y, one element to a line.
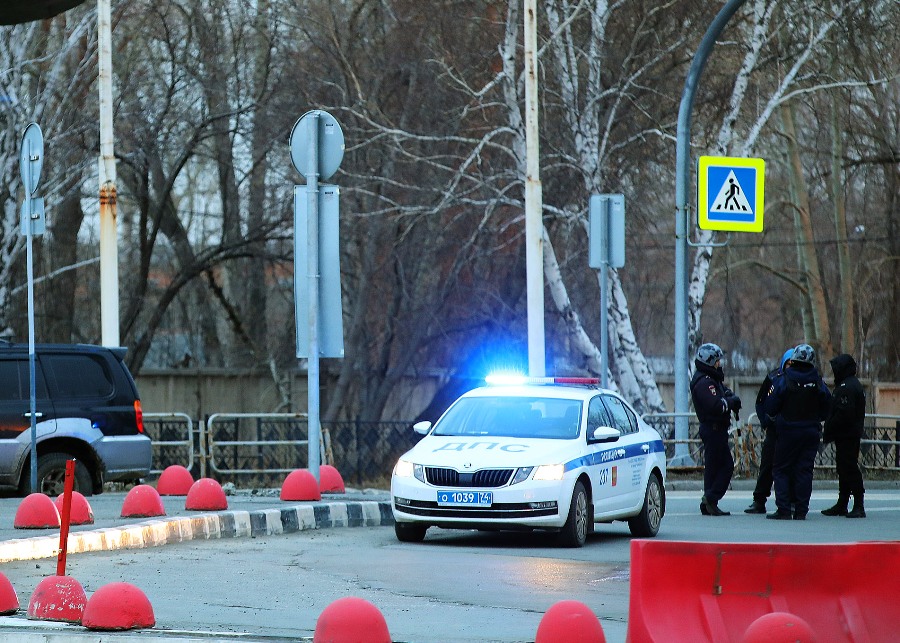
<point>734,403</point>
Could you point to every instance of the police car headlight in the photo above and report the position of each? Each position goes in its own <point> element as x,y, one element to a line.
<point>522,474</point>
<point>407,469</point>
<point>550,472</point>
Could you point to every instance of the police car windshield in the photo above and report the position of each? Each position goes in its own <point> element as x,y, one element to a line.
<point>520,417</point>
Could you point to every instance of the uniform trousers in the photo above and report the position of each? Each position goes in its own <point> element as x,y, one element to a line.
<point>795,455</point>
<point>718,462</point>
<point>764,479</point>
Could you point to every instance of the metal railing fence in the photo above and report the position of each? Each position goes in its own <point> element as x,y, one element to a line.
<point>261,448</point>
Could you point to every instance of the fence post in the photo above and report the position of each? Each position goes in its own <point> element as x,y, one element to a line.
<point>896,445</point>
<point>356,424</point>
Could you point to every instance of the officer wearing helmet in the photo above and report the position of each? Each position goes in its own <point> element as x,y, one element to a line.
<point>713,402</point>
<point>764,480</point>
<point>798,402</point>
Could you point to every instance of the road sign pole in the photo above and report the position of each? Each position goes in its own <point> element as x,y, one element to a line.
<point>32,393</point>
<point>30,162</point>
<point>312,267</point>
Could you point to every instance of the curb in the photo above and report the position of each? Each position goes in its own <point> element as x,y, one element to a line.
<point>206,526</point>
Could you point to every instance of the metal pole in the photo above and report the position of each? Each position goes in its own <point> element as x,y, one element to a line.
<point>32,392</point>
<point>604,286</point>
<point>534,240</point>
<point>312,269</point>
<point>109,257</point>
<point>682,177</point>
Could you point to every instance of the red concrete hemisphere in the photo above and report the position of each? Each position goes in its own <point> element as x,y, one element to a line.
<point>300,484</point>
<point>143,501</point>
<point>206,495</point>
<point>351,620</point>
<point>330,480</point>
<point>779,627</point>
<point>175,480</point>
<point>9,602</point>
<point>57,598</point>
<point>118,606</point>
<point>570,622</point>
<point>36,511</point>
<point>80,512</point>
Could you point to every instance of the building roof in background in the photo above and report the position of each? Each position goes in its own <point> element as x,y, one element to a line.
<point>14,12</point>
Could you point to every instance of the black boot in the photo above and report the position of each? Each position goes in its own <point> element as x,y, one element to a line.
<point>838,509</point>
<point>711,508</point>
<point>703,509</point>
<point>858,511</point>
<point>756,507</point>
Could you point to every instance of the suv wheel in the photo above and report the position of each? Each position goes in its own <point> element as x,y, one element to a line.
<point>51,475</point>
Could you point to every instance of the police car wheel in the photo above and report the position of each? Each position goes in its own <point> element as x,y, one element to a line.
<point>574,532</point>
<point>410,532</point>
<point>646,523</point>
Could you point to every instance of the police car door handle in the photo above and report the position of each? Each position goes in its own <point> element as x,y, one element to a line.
<point>27,414</point>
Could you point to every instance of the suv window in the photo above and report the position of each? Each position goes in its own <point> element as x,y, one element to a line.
<point>79,376</point>
<point>15,380</point>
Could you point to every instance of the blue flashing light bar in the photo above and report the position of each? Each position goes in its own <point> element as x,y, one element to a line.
<point>510,379</point>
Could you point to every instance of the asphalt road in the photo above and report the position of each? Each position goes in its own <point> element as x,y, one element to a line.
<point>457,586</point>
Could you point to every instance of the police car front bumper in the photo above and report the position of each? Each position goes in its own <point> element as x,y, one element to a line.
<point>528,505</point>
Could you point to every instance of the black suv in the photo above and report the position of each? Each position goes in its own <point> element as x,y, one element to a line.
<point>87,408</point>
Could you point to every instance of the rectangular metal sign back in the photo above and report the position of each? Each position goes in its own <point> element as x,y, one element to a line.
<point>330,316</point>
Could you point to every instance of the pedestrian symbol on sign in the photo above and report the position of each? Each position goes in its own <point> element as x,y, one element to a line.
<point>731,197</point>
<point>730,194</point>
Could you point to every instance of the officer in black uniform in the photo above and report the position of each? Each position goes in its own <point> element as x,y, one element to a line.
<point>767,452</point>
<point>844,427</point>
<point>714,402</point>
<point>799,401</point>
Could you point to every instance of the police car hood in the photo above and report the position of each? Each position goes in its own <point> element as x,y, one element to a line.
<point>481,452</point>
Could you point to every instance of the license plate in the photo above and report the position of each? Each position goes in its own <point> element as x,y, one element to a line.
<point>465,498</point>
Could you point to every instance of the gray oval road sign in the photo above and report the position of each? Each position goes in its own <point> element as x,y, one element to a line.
<point>330,139</point>
<point>31,158</point>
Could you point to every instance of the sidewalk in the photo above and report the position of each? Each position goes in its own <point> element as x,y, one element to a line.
<point>248,515</point>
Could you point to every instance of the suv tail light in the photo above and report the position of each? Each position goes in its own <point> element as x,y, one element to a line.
<point>139,416</point>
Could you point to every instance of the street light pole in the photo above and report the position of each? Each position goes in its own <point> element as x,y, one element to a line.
<point>682,178</point>
<point>109,254</point>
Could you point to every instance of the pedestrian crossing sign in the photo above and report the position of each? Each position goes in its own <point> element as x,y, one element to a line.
<point>730,193</point>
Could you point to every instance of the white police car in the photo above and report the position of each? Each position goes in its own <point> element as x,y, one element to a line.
<point>554,454</point>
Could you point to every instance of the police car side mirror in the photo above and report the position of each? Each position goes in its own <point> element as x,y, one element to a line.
<point>605,434</point>
<point>422,427</point>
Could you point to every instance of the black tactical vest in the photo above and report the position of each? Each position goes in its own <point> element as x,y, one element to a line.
<point>801,402</point>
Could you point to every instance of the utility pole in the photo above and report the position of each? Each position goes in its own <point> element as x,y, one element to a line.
<point>109,249</point>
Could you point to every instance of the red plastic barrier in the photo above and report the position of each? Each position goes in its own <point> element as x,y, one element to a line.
<point>696,592</point>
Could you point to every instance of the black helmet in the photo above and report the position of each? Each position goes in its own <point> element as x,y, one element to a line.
<point>709,354</point>
<point>804,354</point>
